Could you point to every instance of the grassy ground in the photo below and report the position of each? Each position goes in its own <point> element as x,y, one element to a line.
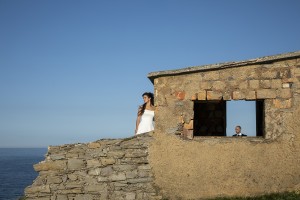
<point>278,196</point>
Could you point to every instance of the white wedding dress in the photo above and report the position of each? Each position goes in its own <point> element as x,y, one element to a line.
<point>146,122</point>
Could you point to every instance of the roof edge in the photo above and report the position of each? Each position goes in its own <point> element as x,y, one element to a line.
<point>187,70</point>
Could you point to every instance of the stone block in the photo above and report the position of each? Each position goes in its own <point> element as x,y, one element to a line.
<point>42,198</point>
<point>37,189</point>
<point>75,164</point>
<point>108,161</point>
<point>78,148</point>
<point>116,154</point>
<point>118,177</point>
<point>282,103</point>
<point>238,95</point>
<point>252,73</point>
<point>233,84</point>
<point>286,85</point>
<point>243,85</point>
<point>214,95</point>
<point>187,134</point>
<point>62,197</point>
<point>253,84</point>
<point>266,94</point>
<point>211,76</point>
<point>287,80</point>
<point>226,75</point>
<point>144,173</point>
<point>160,100</point>
<point>71,191</point>
<point>94,145</point>
<point>207,85</point>
<point>269,74</point>
<point>107,171</point>
<point>139,180</point>
<point>57,156</point>
<point>144,167</point>
<point>130,196</point>
<point>227,95</point>
<point>218,85</point>
<point>131,174</point>
<point>190,125</point>
<point>71,185</point>
<point>241,75</point>
<point>53,149</point>
<point>50,165</point>
<point>136,154</point>
<point>124,167</point>
<point>201,95</point>
<point>180,95</point>
<point>194,97</point>
<point>276,83</point>
<point>102,179</point>
<point>94,172</point>
<point>284,93</point>
<point>250,95</point>
<point>285,73</point>
<point>265,84</point>
<point>99,188</point>
<point>93,163</point>
<point>296,71</point>
<point>54,179</point>
<point>82,197</point>
<point>72,177</point>
<point>72,155</point>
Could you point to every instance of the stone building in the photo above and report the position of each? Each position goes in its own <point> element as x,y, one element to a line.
<point>191,103</point>
<point>188,157</point>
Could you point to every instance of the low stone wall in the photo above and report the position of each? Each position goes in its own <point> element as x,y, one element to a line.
<point>105,169</point>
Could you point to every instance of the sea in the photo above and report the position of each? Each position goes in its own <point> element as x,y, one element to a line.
<point>16,170</point>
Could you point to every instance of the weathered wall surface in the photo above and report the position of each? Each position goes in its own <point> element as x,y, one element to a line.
<point>222,167</point>
<point>277,83</point>
<point>105,169</point>
<point>208,167</point>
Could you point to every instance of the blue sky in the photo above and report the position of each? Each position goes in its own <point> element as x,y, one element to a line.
<point>74,71</point>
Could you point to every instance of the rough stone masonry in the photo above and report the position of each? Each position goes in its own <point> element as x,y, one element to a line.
<point>105,169</point>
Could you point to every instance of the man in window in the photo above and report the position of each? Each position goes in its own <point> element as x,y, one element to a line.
<point>238,132</point>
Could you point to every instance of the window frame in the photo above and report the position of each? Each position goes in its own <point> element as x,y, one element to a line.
<point>259,117</point>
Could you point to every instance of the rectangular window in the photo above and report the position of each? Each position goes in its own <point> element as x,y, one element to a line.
<point>219,118</point>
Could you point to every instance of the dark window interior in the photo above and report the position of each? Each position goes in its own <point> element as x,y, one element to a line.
<point>210,118</point>
<point>260,122</point>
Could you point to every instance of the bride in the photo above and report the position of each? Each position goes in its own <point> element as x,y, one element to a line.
<point>144,121</point>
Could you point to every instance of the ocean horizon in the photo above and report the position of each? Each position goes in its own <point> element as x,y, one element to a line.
<point>16,170</point>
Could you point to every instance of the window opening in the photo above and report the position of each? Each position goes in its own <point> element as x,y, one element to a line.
<point>219,118</point>
<point>210,118</point>
<point>242,113</point>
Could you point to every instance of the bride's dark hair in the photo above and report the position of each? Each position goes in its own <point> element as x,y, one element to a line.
<point>143,107</point>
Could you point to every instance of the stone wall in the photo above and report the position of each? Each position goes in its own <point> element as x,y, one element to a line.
<point>105,169</point>
<point>277,83</point>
